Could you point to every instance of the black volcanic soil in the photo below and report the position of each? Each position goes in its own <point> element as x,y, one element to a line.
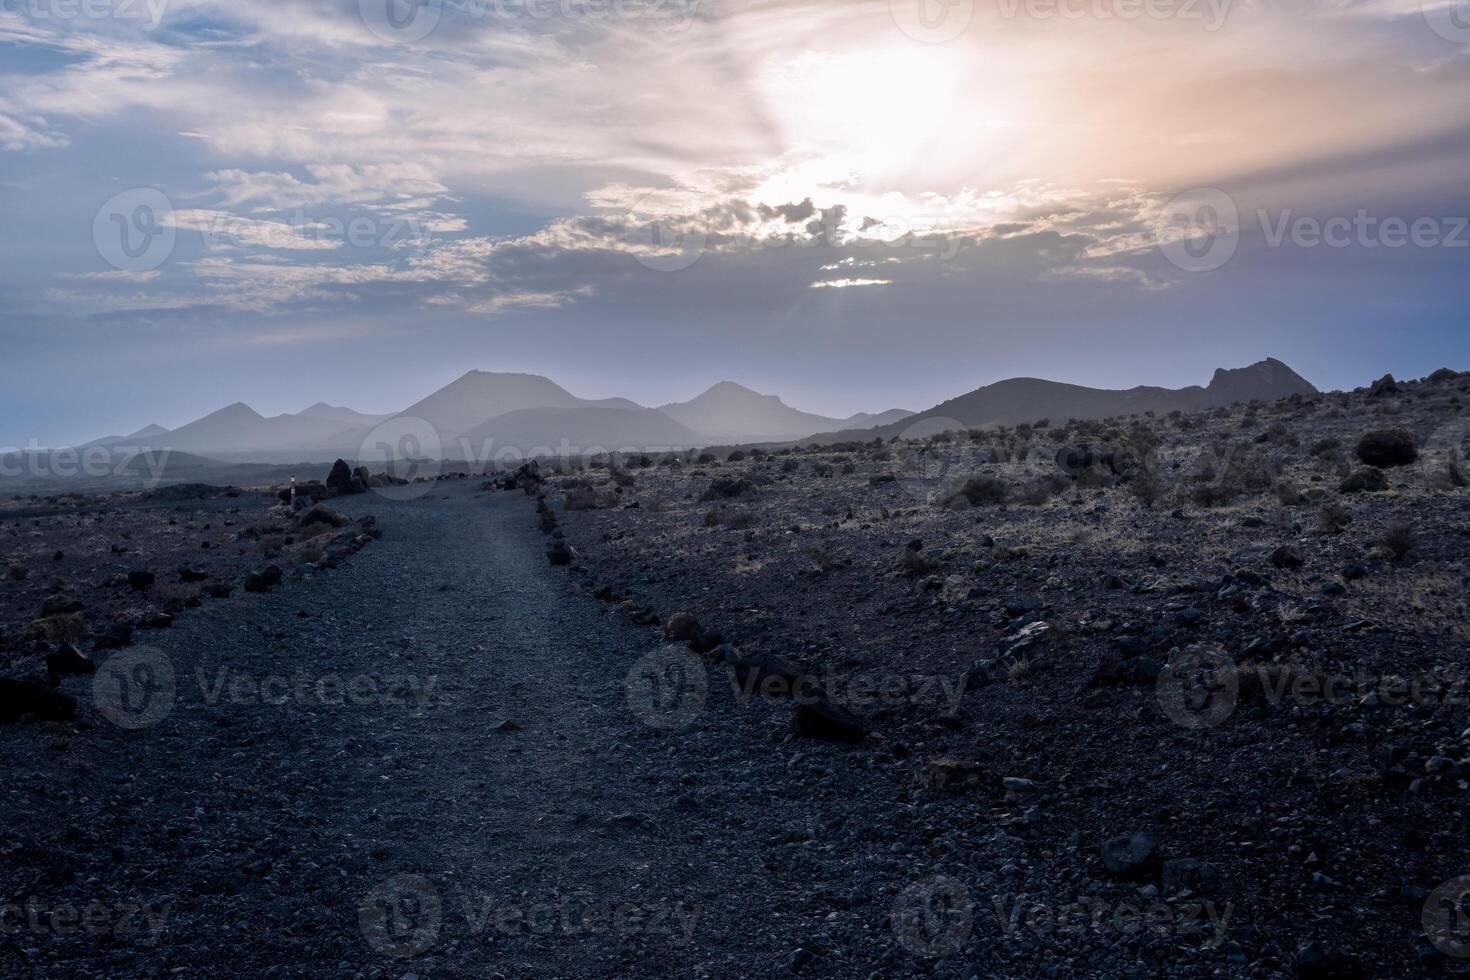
<point>70,564</point>
<point>448,758</point>
<point>1312,819</point>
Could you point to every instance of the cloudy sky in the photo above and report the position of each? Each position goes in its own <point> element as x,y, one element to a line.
<point>856,205</point>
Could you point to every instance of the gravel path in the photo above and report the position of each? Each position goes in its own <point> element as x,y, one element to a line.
<point>487,798</point>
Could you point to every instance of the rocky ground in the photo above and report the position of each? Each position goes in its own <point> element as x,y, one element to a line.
<point>1152,697</point>
<point>84,576</point>
<point>1210,665</point>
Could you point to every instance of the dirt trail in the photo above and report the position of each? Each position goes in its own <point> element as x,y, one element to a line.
<point>427,763</point>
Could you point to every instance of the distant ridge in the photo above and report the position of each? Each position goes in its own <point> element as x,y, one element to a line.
<point>1018,400</point>
<point>505,409</point>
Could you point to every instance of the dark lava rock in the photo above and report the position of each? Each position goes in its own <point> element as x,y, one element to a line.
<point>821,719</point>
<point>139,579</point>
<point>114,637</point>
<point>189,573</point>
<point>20,698</point>
<point>707,641</point>
<point>219,590</point>
<point>1388,447</point>
<point>1288,556</point>
<point>1131,856</point>
<point>264,580</point>
<point>681,627</point>
<point>1364,480</point>
<point>68,661</point>
<point>1334,589</point>
<point>559,553</point>
<point>728,488</point>
<point>1355,571</point>
<point>1384,387</point>
<point>321,514</point>
<point>341,480</point>
<point>756,669</point>
<point>61,605</point>
<point>1323,961</point>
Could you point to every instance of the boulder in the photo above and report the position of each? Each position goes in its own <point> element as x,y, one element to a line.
<point>1324,961</point>
<point>1364,480</point>
<point>1384,448</point>
<point>681,627</point>
<point>322,514</point>
<point>822,719</point>
<point>341,480</point>
<point>61,604</point>
<point>1384,387</point>
<point>189,573</point>
<point>1288,556</point>
<point>264,580</point>
<point>1132,855</point>
<point>559,553</point>
<point>139,579</point>
<point>114,637</point>
<point>20,698</point>
<point>68,661</point>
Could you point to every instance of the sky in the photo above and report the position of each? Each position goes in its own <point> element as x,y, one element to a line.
<point>857,206</point>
